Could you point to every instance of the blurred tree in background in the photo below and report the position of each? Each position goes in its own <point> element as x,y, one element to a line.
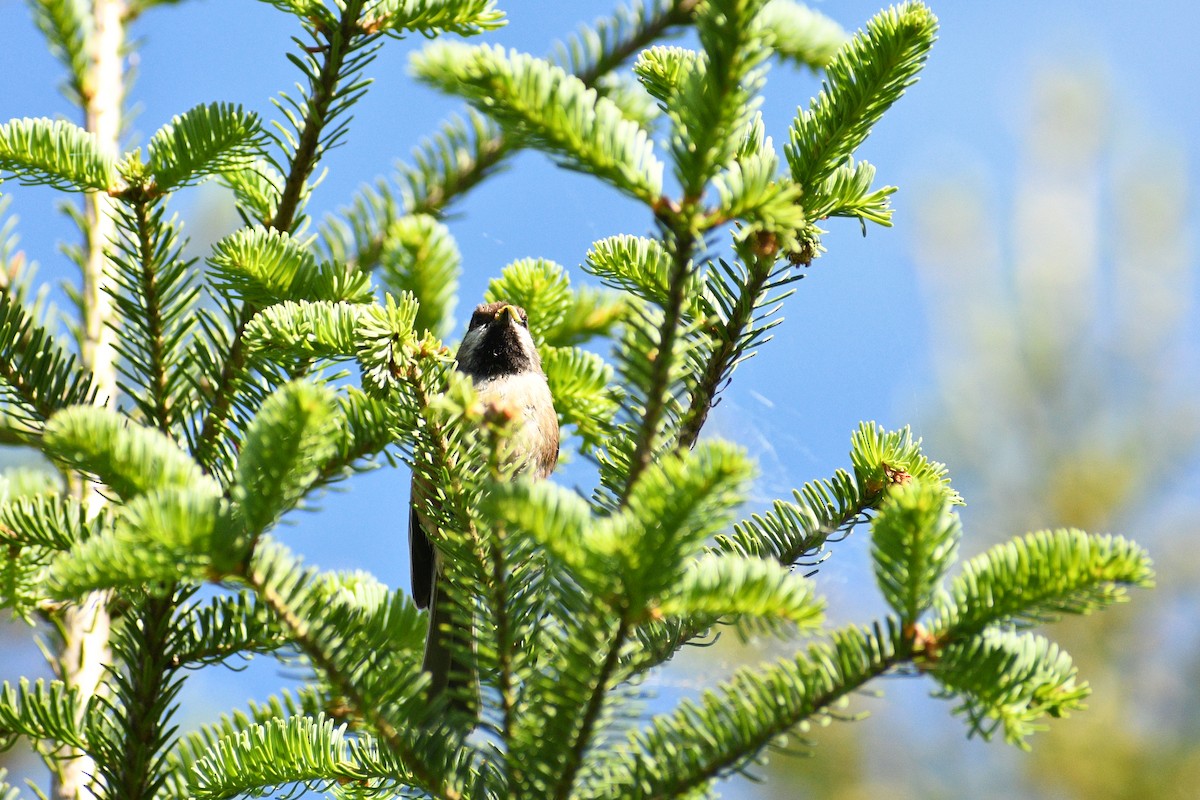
<point>1065,347</point>
<point>1063,341</point>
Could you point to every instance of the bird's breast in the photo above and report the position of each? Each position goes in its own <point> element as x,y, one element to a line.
<point>527,398</point>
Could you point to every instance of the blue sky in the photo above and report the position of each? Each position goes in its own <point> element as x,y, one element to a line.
<point>853,346</point>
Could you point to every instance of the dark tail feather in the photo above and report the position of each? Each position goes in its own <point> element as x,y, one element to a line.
<point>450,673</point>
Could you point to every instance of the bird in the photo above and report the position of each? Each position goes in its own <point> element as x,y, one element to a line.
<point>498,353</point>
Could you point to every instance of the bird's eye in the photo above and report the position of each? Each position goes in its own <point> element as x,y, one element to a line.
<point>477,319</point>
<point>524,320</point>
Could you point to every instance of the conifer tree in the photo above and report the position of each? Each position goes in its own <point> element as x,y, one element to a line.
<point>231,406</point>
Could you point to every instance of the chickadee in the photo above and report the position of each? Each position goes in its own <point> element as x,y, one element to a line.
<point>501,358</point>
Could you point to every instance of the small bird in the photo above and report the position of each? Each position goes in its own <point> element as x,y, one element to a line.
<point>499,354</point>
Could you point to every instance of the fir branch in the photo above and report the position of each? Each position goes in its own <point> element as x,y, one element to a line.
<point>156,372</point>
<point>366,426</point>
<point>561,522</point>
<point>206,140</point>
<point>591,711</point>
<point>712,102</point>
<point>314,10</point>
<point>847,192</point>
<point>800,34</point>
<point>1038,578</point>
<point>307,329</point>
<point>421,257</point>
<point>283,452</point>
<point>796,530</point>
<point>680,247</point>
<point>465,151</point>
<point>159,537</point>
<point>329,97</point>
<point>327,94</point>
<point>197,744</point>
<point>130,459</point>
<point>464,17</point>
<point>914,540</point>
<point>47,711</point>
<point>733,310</point>
<point>754,590</point>
<point>37,374</point>
<point>502,623</point>
<point>596,50</point>
<point>55,153</point>
<point>206,443</point>
<point>543,104</point>
<point>1007,680</point>
<point>688,748</point>
<point>68,30</point>
<point>581,383</point>
<point>129,741</point>
<point>867,76</point>
<point>223,628</point>
<point>51,521</point>
<point>462,153</point>
<point>276,581</point>
<point>7,791</point>
<point>789,533</point>
<point>313,751</point>
<point>154,293</point>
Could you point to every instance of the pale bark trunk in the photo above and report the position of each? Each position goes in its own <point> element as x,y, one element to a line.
<point>85,627</point>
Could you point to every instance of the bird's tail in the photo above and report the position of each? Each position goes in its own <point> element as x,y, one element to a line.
<point>449,644</point>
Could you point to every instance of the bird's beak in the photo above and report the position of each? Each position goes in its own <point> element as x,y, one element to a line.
<point>511,312</point>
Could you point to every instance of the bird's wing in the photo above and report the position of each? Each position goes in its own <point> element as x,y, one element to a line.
<point>421,555</point>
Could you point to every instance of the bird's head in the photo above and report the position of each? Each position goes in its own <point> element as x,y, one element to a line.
<point>498,343</point>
